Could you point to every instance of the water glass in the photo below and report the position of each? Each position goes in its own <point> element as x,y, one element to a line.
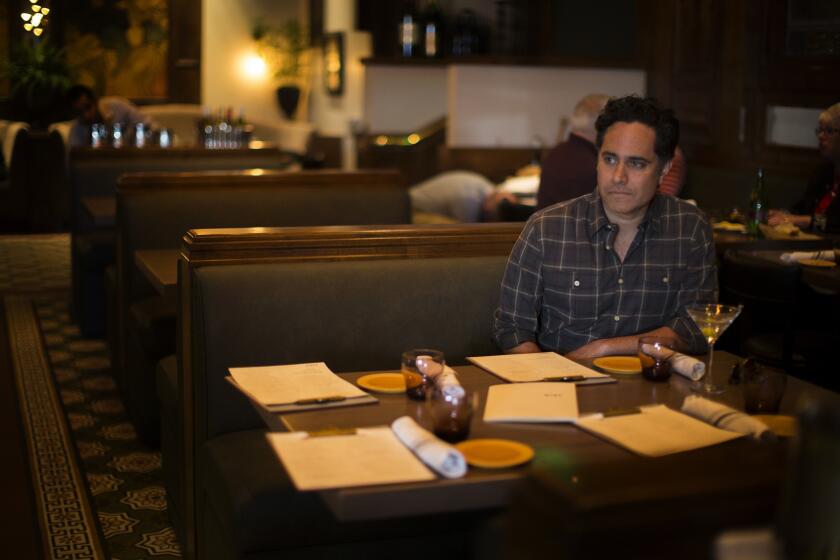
<point>98,135</point>
<point>419,367</point>
<point>764,388</point>
<point>451,414</point>
<point>655,354</point>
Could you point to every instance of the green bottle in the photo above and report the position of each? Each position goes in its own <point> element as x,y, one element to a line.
<point>757,213</point>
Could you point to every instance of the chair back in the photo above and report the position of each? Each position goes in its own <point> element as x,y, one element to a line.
<point>809,517</point>
<point>769,292</point>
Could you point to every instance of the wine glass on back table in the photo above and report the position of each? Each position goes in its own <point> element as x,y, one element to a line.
<point>712,319</point>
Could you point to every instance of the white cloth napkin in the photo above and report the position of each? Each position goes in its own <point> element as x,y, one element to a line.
<point>725,418</point>
<point>688,366</point>
<point>436,453</point>
<point>443,376</point>
<point>796,256</point>
<point>449,385</point>
<point>680,363</point>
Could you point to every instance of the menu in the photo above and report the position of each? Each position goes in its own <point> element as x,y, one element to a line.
<point>369,456</point>
<point>654,431</point>
<point>531,402</point>
<point>521,368</point>
<point>296,387</point>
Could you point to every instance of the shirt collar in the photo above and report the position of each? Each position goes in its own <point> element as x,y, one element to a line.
<point>598,220</point>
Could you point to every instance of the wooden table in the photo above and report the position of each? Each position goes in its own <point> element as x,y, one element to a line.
<point>102,210</point>
<point>160,266</point>
<point>823,280</point>
<point>729,240</point>
<point>482,489</point>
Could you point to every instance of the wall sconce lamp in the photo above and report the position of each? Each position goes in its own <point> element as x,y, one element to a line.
<point>334,63</point>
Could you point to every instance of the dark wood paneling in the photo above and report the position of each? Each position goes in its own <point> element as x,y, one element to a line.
<point>184,76</point>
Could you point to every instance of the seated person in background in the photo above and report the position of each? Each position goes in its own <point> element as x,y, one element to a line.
<point>459,195</point>
<point>820,207</point>
<point>590,276</point>
<point>673,181</point>
<point>568,171</point>
<point>89,109</point>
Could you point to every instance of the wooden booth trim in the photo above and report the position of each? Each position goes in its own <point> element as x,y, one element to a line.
<point>213,246</point>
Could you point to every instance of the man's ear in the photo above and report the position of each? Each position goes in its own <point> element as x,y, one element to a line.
<point>665,169</point>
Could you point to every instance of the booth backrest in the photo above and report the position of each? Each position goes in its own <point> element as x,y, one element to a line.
<point>355,298</point>
<point>95,173</point>
<point>156,209</point>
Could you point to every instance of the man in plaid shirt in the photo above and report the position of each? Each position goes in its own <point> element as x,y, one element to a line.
<point>589,276</point>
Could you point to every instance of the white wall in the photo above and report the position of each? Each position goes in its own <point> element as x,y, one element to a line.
<point>404,98</point>
<point>226,41</point>
<point>792,126</point>
<point>508,106</point>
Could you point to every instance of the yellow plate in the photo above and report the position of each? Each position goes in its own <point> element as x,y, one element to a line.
<point>382,382</point>
<point>818,263</point>
<point>495,453</point>
<point>619,364</point>
<point>783,426</point>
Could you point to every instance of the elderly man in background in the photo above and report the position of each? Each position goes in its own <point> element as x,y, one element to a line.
<point>820,207</point>
<point>590,276</point>
<point>89,109</point>
<point>568,170</point>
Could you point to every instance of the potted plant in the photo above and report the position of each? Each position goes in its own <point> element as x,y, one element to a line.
<point>39,76</point>
<point>284,49</point>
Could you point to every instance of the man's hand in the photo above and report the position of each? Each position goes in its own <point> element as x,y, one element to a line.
<point>590,350</point>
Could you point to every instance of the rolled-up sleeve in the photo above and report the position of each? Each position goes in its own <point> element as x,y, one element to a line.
<point>700,285</point>
<point>517,317</point>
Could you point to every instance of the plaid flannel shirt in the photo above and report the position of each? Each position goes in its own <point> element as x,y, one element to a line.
<point>565,286</point>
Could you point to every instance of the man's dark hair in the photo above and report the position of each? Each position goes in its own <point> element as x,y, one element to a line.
<point>74,93</point>
<point>644,110</point>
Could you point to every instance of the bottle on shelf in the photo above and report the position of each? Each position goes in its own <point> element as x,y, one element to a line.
<point>433,31</point>
<point>409,31</point>
<point>757,213</point>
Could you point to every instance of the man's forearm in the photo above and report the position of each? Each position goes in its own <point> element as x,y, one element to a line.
<point>524,348</point>
<point>630,344</point>
<point>621,345</point>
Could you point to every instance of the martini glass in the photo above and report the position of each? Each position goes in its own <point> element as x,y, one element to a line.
<point>712,319</point>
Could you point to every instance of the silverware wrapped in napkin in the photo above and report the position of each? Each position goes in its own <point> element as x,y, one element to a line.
<point>434,452</point>
<point>726,418</point>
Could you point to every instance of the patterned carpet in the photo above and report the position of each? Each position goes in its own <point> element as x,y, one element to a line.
<point>77,428</point>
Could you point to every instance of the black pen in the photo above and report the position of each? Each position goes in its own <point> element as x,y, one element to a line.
<point>566,378</point>
<point>321,400</point>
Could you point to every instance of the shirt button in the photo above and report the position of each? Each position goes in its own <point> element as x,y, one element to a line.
<point>621,280</point>
<point>577,282</point>
<point>617,318</point>
<point>665,279</point>
<point>608,247</point>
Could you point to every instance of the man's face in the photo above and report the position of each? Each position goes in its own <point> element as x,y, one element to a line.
<point>629,170</point>
<point>828,136</point>
<point>85,108</point>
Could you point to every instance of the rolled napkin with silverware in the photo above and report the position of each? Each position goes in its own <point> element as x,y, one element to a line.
<point>796,256</point>
<point>688,366</point>
<point>448,384</point>
<point>726,418</point>
<point>444,376</point>
<point>434,452</point>
<point>680,363</point>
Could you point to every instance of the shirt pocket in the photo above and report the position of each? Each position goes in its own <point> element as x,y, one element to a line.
<point>661,286</point>
<point>573,296</point>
